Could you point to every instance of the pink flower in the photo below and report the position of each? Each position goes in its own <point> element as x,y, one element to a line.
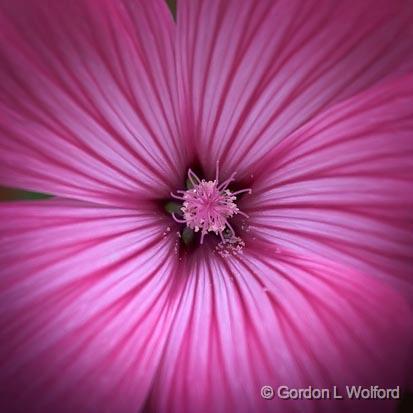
<point>108,303</point>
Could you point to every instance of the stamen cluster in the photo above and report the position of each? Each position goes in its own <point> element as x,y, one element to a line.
<point>207,209</point>
<point>208,205</point>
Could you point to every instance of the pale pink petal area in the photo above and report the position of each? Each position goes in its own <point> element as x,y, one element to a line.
<point>86,302</point>
<point>88,99</point>
<point>255,71</point>
<point>342,185</point>
<point>275,318</point>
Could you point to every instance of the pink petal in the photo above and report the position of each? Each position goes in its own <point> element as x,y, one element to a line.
<point>256,72</point>
<point>87,98</point>
<point>275,318</point>
<point>84,306</point>
<point>342,186</point>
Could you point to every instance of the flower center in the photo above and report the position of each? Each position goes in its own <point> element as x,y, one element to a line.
<point>208,206</point>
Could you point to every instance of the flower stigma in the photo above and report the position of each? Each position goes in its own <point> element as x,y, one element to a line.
<point>207,207</point>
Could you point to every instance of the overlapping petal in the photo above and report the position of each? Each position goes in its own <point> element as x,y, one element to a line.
<point>341,186</point>
<point>276,318</point>
<point>255,72</point>
<point>88,99</point>
<point>85,306</point>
